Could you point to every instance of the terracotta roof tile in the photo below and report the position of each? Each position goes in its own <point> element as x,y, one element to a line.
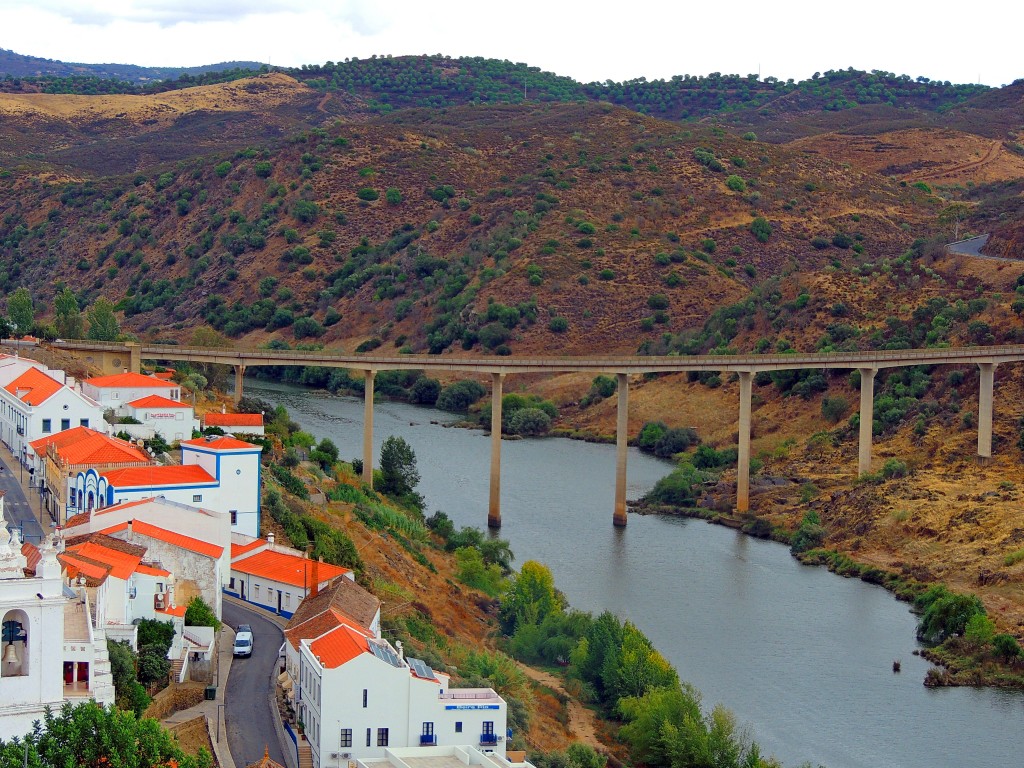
<point>157,401</point>
<point>174,610</point>
<point>81,445</point>
<point>233,419</point>
<point>32,556</point>
<point>286,568</point>
<point>178,539</point>
<point>157,475</point>
<point>221,444</point>
<point>149,570</point>
<point>237,550</point>
<point>34,386</point>
<point>124,380</point>
<point>339,646</point>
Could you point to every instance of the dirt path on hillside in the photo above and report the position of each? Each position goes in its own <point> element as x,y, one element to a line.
<point>993,152</point>
<point>582,722</point>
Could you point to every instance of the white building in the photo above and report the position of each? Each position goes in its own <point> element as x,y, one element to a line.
<point>52,652</point>
<point>159,415</point>
<point>236,423</point>
<point>34,404</point>
<point>274,577</point>
<point>116,391</point>
<point>193,544</point>
<point>357,696</point>
<point>217,473</point>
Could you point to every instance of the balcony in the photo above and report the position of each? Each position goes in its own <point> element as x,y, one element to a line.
<point>488,739</point>
<point>428,740</point>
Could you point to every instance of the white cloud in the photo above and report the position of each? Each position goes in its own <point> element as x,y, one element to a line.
<point>588,41</point>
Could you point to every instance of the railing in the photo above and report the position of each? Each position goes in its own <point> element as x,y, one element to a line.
<point>478,693</point>
<point>488,739</point>
<point>428,740</point>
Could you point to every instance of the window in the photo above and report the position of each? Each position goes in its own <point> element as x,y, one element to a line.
<point>65,424</point>
<point>256,591</point>
<point>47,425</point>
<point>83,422</point>
<point>287,599</point>
<point>368,730</point>
<point>346,737</point>
<point>382,737</point>
<point>428,729</point>
<point>364,698</point>
<point>234,516</point>
<point>489,727</point>
<point>197,497</point>
<point>458,726</point>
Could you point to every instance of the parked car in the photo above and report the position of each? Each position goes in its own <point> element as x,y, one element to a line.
<point>243,641</point>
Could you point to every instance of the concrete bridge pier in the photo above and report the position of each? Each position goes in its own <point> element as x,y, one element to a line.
<point>987,372</point>
<point>134,356</point>
<point>494,502</point>
<point>621,444</point>
<point>239,373</point>
<point>368,426</point>
<point>743,457</point>
<point>867,418</point>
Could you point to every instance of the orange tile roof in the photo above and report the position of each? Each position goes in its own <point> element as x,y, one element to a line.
<point>167,375</point>
<point>241,549</point>
<point>220,444</point>
<point>124,505</point>
<point>32,556</point>
<point>286,568</point>
<point>233,419</point>
<point>157,475</point>
<point>339,646</point>
<point>178,539</point>
<point>79,519</point>
<point>36,386</point>
<point>123,380</point>
<point>100,449</point>
<point>157,401</point>
<point>175,610</point>
<point>121,564</point>
<point>76,565</point>
<point>61,438</point>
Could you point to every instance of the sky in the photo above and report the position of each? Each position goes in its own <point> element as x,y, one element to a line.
<point>588,41</point>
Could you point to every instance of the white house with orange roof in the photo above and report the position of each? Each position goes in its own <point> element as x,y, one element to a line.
<point>159,415</point>
<point>118,390</point>
<point>37,403</point>
<point>235,423</point>
<point>235,465</point>
<point>192,543</point>
<point>358,696</point>
<point>67,458</point>
<point>274,577</point>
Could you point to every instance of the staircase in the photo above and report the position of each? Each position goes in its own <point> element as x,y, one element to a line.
<point>178,664</point>
<point>305,754</point>
<point>101,685</point>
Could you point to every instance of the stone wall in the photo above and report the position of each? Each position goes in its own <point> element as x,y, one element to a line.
<point>193,734</point>
<point>173,699</point>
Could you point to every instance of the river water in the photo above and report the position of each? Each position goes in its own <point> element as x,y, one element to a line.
<point>801,656</point>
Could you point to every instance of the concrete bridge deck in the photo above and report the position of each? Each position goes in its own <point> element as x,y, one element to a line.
<point>113,357</point>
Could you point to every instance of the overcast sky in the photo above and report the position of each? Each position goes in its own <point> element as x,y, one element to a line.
<point>588,41</point>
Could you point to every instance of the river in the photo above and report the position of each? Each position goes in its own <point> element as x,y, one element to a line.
<point>801,656</point>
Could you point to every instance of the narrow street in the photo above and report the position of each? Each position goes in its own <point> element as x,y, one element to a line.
<point>248,715</point>
<point>21,505</point>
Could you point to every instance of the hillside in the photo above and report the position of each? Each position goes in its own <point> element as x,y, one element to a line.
<point>18,65</point>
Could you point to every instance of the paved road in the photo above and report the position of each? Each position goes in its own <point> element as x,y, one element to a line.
<point>248,716</point>
<point>17,510</point>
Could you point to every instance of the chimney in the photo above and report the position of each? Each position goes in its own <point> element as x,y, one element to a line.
<point>223,408</point>
<point>270,539</point>
<point>401,651</point>
<point>124,370</point>
<point>314,587</point>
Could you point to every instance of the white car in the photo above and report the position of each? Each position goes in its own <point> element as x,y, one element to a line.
<point>243,641</point>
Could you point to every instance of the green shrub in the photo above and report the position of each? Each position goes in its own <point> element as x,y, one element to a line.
<point>529,421</point>
<point>222,169</point>
<point>945,614</point>
<point>1006,647</point>
<point>749,136</point>
<point>761,229</point>
<point>606,274</point>
<point>809,535</point>
<point>558,325</point>
<point>834,408</point>
<point>393,196</point>
<point>680,488</point>
<point>459,396</point>
<point>736,183</point>
<point>368,193</point>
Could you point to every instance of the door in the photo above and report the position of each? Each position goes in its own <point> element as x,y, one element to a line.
<point>279,601</point>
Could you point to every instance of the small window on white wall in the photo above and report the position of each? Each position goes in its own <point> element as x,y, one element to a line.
<point>197,497</point>
<point>256,591</point>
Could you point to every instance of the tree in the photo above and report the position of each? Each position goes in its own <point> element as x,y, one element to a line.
<point>88,734</point>
<point>425,391</point>
<point>70,324</point>
<point>200,614</point>
<point>103,325</point>
<point>761,229</point>
<point>21,311</point>
<point>399,476</point>
<point>952,216</point>
<point>129,694</point>
<point>531,597</point>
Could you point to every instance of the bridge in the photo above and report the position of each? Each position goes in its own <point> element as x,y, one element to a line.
<point>112,358</point>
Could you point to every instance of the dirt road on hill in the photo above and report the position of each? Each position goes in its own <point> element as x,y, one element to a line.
<point>582,721</point>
